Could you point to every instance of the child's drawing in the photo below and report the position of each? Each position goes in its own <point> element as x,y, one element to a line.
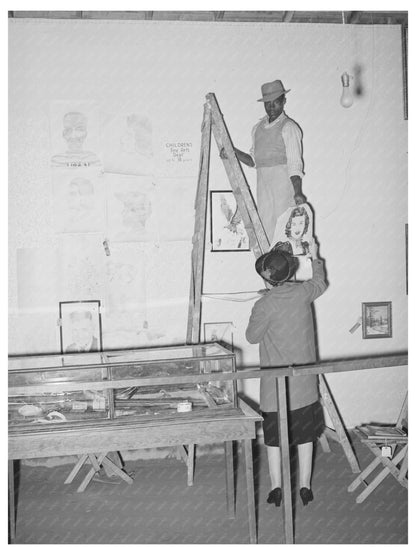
<point>227,229</point>
<point>79,201</point>
<point>126,287</point>
<point>294,234</point>
<point>127,140</point>
<point>74,135</point>
<point>82,267</point>
<point>130,208</point>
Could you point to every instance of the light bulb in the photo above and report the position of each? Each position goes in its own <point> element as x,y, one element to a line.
<point>346,99</point>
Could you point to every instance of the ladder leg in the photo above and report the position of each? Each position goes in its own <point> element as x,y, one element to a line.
<point>339,427</point>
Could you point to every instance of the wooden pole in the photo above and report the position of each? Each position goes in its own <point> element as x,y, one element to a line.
<point>282,423</point>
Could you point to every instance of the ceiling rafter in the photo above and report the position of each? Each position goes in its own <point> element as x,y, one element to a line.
<point>352,18</point>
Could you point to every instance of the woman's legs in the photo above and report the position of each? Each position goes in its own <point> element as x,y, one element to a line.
<point>274,458</point>
<point>305,452</point>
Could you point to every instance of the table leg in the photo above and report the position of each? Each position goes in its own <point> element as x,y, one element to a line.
<point>76,469</point>
<point>248,455</point>
<point>12,506</point>
<point>285,455</point>
<point>190,463</point>
<point>229,478</point>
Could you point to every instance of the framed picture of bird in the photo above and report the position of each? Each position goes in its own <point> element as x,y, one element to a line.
<point>227,229</point>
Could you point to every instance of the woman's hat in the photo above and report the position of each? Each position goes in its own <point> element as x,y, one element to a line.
<point>276,266</point>
<point>272,90</point>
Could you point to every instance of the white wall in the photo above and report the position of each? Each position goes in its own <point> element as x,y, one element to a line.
<point>355,162</point>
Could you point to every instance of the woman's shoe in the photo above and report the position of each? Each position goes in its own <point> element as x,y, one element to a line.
<point>275,496</point>
<point>306,495</point>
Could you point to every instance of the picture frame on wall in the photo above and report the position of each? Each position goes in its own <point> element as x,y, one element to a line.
<point>80,326</point>
<point>228,233</point>
<point>377,320</point>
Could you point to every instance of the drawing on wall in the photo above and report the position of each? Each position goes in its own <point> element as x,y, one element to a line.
<point>126,286</point>
<point>79,201</point>
<point>127,144</point>
<point>174,210</point>
<point>81,266</point>
<point>227,228</point>
<point>75,136</point>
<point>220,332</point>
<point>376,320</point>
<point>130,205</point>
<point>294,234</point>
<point>80,326</point>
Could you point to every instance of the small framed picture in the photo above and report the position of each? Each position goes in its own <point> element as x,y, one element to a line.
<point>80,326</point>
<point>220,332</point>
<point>376,320</point>
<point>227,228</point>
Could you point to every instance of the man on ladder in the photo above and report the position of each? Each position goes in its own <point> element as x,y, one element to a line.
<point>277,156</point>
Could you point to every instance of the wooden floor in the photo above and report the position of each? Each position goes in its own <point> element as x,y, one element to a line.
<point>160,509</point>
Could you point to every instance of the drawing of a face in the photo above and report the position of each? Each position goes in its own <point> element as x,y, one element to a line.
<point>138,135</point>
<point>297,227</point>
<point>82,329</point>
<point>75,130</point>
<point>298,224</point>
<point>80,194</point>
<point>137,209</point>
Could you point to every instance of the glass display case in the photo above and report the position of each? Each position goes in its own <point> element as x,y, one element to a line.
<point>70,389</point>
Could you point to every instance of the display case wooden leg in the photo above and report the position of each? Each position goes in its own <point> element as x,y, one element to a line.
<point>229,478</point>
<point>12,506</point>
<point>76,469</point>
<point>251,504</point>
<point>285,455</point>
<point>115,470</point>
<point>191,464</point>
<point>90,475</point>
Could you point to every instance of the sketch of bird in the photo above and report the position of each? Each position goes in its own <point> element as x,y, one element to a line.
<point>233,218</point>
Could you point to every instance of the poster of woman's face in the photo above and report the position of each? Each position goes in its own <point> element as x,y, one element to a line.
<point>294,234</point>
<point>80,326</point>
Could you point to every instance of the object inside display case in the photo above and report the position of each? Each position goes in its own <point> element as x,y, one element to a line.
<point>72,389</point>
<point>55,408</point>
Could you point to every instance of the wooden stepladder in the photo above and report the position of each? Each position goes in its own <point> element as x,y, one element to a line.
<point>213,123</point>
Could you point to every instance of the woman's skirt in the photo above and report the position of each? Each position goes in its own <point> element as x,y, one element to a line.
<point>305,424</point>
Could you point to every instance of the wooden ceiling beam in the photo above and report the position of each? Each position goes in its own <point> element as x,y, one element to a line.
<point>354,18</point>
<point>287,17</point>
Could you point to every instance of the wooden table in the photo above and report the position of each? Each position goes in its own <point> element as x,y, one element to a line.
<point>136,435</point>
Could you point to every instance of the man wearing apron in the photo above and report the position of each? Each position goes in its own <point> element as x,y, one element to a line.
<point>277,156</point>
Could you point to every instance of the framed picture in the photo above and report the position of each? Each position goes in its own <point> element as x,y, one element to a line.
<point>227,229</point>
<point>80,326</point>
<point>376,320</point>
<point>220,332</point>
